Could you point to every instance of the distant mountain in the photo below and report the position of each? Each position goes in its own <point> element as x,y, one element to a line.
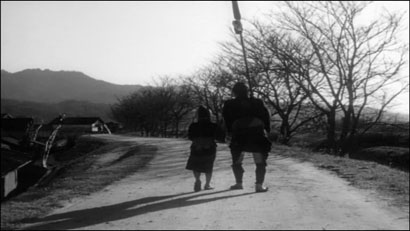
<point>45,86</point>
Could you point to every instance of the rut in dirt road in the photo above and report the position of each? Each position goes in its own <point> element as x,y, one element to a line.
<point>160,196</point>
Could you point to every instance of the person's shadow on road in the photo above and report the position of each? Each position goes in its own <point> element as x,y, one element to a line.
<point>93,216</point>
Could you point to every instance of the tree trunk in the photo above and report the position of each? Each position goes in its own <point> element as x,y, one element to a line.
<point>331,130</point>
<point>345,138</point>
<point>177,128</point>
<point>285,130</point>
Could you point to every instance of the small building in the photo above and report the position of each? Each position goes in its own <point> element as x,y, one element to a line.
<point>113,126</point>
<point>6,116</point>
<point>80,125</point>
<point>11,164</point>
<point>19,171</point>
<point>15,131</point>
<point>16,127</point>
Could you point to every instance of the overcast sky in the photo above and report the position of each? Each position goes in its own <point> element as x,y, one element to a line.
<point>123,42</point>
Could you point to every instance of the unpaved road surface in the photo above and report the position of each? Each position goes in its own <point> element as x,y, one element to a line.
<point>160,196</point>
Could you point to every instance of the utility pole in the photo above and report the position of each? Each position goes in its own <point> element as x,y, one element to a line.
<point>237,25</point>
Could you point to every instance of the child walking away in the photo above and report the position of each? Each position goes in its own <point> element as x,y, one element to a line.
<point>203,134</point>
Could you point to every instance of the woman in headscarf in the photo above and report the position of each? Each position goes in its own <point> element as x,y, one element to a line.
<point>203,134</point>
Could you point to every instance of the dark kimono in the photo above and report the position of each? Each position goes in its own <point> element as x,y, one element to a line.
<point>246,119</point>
<point>203,148</point>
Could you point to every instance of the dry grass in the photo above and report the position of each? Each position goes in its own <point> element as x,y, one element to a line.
<point>390,183</point>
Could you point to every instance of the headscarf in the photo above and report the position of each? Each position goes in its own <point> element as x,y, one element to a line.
<point>203,113</point>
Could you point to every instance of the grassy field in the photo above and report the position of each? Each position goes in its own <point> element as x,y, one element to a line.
<point>82,177</point>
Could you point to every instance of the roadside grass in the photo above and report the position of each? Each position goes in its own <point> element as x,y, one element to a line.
<point>391,184</point>
<point>79,178</point>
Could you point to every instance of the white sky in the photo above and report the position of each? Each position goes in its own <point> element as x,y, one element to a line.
<point>130,42</point>
<point>119,42</point>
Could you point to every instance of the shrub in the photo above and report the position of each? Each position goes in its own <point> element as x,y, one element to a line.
<point>397,157</point>
<point>381,139</point>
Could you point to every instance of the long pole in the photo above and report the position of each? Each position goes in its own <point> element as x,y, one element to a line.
<point>238,30</point>
<point>246,66</point>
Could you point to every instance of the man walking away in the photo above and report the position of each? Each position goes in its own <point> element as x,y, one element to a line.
<point>246,120</point>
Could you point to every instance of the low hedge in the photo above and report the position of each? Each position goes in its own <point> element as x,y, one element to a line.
<point>397,157</point>
<point>381,139</point>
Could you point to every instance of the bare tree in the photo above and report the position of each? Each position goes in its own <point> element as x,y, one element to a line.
<point>155,111</point>
<point>210,87</point>
<point>179,102</point>
<point>272,59</point>
<point>354,64</point>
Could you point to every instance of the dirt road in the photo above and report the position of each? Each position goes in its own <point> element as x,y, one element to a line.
<point>160,196</point>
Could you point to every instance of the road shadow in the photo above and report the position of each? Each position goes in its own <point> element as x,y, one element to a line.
<point>87,217</point>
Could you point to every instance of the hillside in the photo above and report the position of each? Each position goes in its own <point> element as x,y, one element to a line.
<point>47,111</point>
<point>45,86</point>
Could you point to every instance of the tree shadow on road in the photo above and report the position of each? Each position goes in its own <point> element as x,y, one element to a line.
<point>87,217</point>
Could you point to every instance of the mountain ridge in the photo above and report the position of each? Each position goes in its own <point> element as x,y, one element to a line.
<point>46,86</point>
